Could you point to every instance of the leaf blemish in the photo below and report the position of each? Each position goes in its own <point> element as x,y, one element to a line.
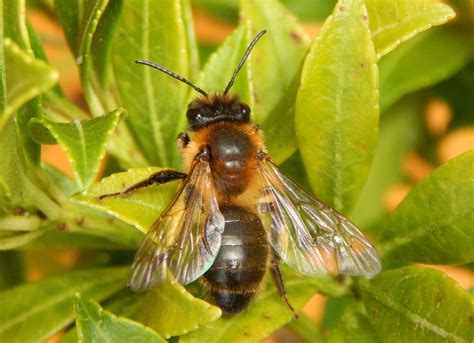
<point>62,227</point>
<point>296,37</point>
<point>342,8</point>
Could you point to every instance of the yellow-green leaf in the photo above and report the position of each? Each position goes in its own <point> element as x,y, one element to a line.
<point>26,77</point>
<point>97,325</point>
<point>421,62</point>
<point>33,312</point>
<point>337,106</point>
<point>153,30</point>
<point>434,223</point>
<point>275,67</point>
<point>141,208</point>
<point>84,142</point>
<point>393,22</point>
<point>415,304</point>
<point>172,311</point>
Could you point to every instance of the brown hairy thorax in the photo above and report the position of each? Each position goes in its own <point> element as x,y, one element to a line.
<point>233,159</point>
<point>211,100</point>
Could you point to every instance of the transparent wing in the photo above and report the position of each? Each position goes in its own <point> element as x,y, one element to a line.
<point>185,239</point>
<point>308,235</point>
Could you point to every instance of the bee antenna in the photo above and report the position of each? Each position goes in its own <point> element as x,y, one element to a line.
<point>244,58</point>
<point>172,74</point>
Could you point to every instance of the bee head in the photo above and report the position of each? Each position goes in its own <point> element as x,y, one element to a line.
<point>212,108</point>
<point>215,108</point>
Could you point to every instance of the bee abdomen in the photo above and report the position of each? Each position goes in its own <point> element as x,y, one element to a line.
<point>241,263</point>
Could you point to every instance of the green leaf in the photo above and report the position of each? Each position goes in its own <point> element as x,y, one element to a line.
<point>83,141</point>
<point>353,326</point>
<point>14,24</point>
<point>172,311</point>
<point>12,269</point>
<point>415,304</point>
<point>26,77</point>
<point>141,208</point>
<point>25,186</point>
<point>56,239</point>
<point>221,64</point>
<point>401,128</point>
<point>275,68</point>
<point>90,27</point>
<point>265,314</point>
<point>12,240</point>
<point>310,10</point>
<point>306,329</point>
<point>35,311</point>
<point>69,14</point>
<point>422,62</point>
<point>153,31</point>
<point>19,223</point>
<point>393,22</point>
<point>337,106</point>
<point>96,325</point>
<point>277,59</point>
<point>433,224</point>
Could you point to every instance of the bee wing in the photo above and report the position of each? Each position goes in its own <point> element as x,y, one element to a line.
<point>308,235</point>
<point>185,239</point>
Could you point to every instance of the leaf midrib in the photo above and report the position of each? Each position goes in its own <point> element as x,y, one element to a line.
<point>415,318</point>
<point>53,301</point>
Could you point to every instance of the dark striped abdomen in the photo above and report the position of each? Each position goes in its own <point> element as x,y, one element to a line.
<point>240,265</point>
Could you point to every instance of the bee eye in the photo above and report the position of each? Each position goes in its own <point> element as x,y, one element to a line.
<point>244,109</point>
<point>194,113</point>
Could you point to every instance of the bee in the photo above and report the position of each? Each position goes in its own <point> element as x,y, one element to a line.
<point>237,215</point>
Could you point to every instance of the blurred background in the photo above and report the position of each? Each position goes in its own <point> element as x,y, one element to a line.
<point>443,117</point>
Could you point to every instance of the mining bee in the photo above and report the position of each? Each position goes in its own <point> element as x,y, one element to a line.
<point>236,214</point>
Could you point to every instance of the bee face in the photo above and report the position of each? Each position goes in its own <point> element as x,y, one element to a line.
<point>215,108</point>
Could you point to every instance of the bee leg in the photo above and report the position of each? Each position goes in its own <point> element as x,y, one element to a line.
<point>276,273</point>
<point>163,176</point>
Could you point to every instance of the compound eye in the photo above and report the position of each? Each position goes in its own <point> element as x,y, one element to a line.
<point>244,111</point>
<point>194,113</point>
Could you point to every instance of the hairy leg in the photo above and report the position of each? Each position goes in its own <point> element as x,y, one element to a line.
<point>276,273</point>
<point>158,178</point>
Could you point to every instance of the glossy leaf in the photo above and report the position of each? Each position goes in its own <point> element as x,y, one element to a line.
<point>172,311</point>
<point>277,58</point>
<point>415,304</point>
<point>337,106</point>
<point>169,309</point>
<point>24,186</point>
<point>17,230</point>
<point>89,27</point>
<point>433,224</point>
<point>25,319</point>
<point>221,64</point>
<point>421,63</point>
<point>393,22</point>
<point>401,128</point>
<point>353,327</point>
<point>156,103</point>
<point>96,325</point>
<point>26,77</point>
<point>265,314</point>
<point>141,208</point>
<point>89,14</point>
<point>275,67</point>
<point>84,142</point>
<point>69,14</point>
<point>12,240</point>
